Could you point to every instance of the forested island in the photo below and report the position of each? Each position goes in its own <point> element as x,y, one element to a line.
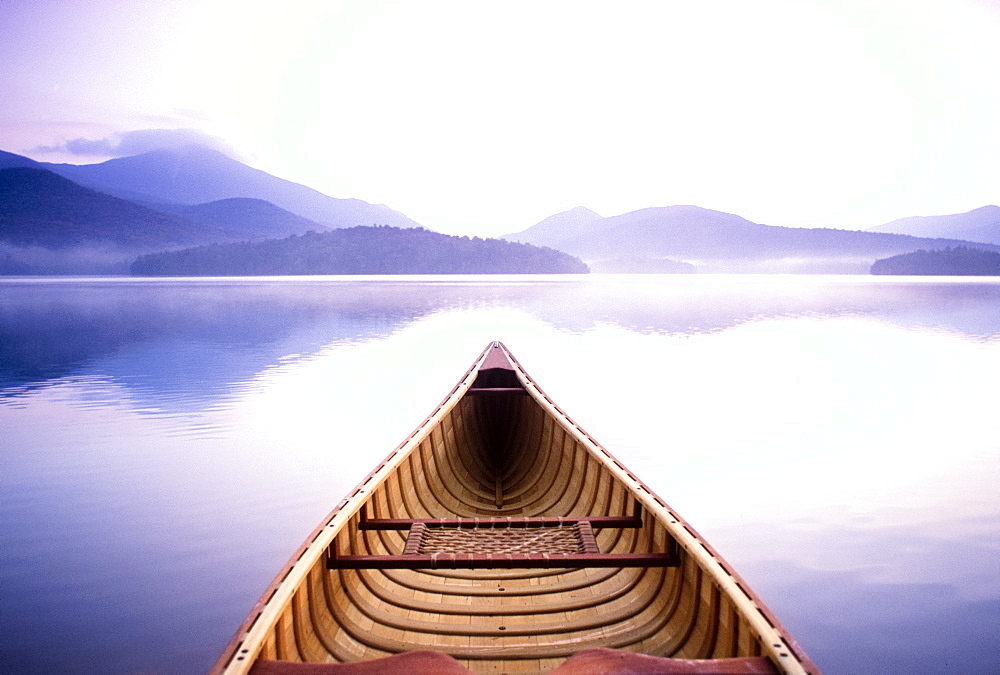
<point>957,261</point>
<point>379,249</point>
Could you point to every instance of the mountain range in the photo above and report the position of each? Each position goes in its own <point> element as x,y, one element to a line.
<point>649,239</point>
<point>196,175</point>
<point>97,218</point>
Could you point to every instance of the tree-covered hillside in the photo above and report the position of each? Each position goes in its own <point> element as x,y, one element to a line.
<point>958,261</point>
<point>39,208</point>
<point>361,250</point>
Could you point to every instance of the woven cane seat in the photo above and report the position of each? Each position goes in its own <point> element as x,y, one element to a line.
<point>495,540</point>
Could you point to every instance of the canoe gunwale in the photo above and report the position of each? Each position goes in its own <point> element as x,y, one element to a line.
<point>246,645</point>
<point>775,639</point>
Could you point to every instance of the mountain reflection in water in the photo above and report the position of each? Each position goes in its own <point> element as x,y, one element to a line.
<point>50,328</point>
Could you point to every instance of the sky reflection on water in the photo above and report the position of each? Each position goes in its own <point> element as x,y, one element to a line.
<point>168,444</point>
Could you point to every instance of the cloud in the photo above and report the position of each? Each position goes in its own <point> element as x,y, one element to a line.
<point>136,142</point>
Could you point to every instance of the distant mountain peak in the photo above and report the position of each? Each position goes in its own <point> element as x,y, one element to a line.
<point>575,219</point>
<point>192,156</point>
<point>580,212</point>
<point>199,150</point>
<point>196,174</point>
<point>978,225</point>
<point>686,210</point>
<point>988,211</point>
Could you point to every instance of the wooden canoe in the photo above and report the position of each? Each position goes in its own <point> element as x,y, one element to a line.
<point>501,538</point>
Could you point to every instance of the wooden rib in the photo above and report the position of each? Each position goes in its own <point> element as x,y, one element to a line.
<point>600,589</point>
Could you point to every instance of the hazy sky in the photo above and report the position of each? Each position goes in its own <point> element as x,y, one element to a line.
<point>484,118</point>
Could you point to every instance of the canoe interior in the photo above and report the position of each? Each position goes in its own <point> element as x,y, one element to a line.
<point>498,448</point>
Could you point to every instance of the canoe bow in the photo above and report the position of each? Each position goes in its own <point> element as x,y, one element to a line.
<point>501,536</point>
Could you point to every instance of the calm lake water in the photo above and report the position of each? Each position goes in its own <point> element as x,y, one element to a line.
<point>167,443</point>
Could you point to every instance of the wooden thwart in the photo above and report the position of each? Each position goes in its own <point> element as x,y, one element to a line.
<point>508,543</point>
<point>472,561</point>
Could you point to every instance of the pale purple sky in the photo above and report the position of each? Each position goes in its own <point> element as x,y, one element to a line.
<point>484,118</point>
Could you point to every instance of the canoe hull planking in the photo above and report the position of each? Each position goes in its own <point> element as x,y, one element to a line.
<point>503,535</point>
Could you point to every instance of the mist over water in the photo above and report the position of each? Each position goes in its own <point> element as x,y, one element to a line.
<point>167,443</point>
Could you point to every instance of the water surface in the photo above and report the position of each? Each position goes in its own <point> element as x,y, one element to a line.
<point>167,443</point>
